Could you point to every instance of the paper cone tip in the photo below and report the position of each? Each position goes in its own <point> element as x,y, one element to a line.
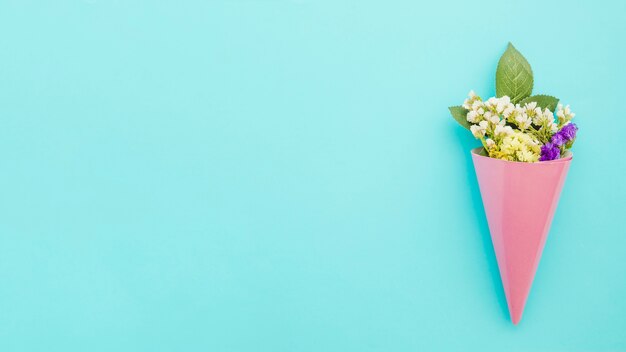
<point>516,318</point>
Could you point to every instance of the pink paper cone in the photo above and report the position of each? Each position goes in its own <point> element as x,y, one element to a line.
<point>519,200</point>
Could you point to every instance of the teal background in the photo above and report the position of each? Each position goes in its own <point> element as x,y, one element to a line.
<point>284,176</point>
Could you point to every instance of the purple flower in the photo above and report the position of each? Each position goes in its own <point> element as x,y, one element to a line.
<point>568,132</point>
<point>549,151</point>
<point>562,137</point>
<point>558,139</point>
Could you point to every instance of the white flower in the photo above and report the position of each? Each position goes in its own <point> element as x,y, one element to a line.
<point>479,130</point>
<point>476,105</point>
<point>564,114</point>
<point>502,104</point>
<point>490,143</point>
<point>554,127</point>
<point>491,102</point>
<point>544,117</point>
<point>491,117</point>
<point>467,104</point>
<point>472,116</point>
<point>560,114</point>
<point>508,110</point>
<point>523,121</point>
<point>502,130</point>
<point>547,115</point>
<point>476,131</point>
<point>531,106</point>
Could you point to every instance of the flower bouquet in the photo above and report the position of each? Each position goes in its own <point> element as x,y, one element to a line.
<point>521,168</point>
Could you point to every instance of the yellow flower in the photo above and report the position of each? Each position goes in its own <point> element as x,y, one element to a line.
<point>518,146</point>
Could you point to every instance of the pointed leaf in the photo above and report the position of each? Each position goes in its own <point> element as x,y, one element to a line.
<point>543,101</point>
<point>460,115</point>
<point>514,77</point>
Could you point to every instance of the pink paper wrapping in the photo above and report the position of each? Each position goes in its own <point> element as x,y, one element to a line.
<point>519,200</point>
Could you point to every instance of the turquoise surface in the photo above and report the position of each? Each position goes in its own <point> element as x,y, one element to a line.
<point>284,176</point>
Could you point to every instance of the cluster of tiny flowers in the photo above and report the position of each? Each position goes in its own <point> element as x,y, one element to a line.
<point>560,140</point>
<point>518,146</point>
<point>519,132</point>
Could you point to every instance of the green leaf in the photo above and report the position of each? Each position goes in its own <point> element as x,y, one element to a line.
<point>514,77</point>
<point>460,115</point>
<point>543,101</point>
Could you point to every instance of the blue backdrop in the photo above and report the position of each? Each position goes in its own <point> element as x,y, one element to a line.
<point>284,176</point>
